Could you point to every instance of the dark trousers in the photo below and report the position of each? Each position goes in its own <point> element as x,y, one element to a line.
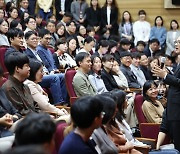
<point>175,131</point>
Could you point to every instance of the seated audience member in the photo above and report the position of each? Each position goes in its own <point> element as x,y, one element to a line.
<point>87,115</point>
<point>144,66</point>
<point>140,46</point>
<point>36,129</point>
<point>107,74</point>
<point>153,49</point>
<point>125,117</point>
<point>67,17</point>
<point>3,30</point>
<point>22,6</point>
<point>30,23</point>
<point>38,94</point>
<point>60,30</point>
<point>81,83</point>
<point>13,14</point>
<point>51,27</point>
<point>19,94</point>
<point>62,59</point>
<point>88,43</point>
<point>70,29</point>
<point>136,70</point>
<point>51,81</point>
<point>100,136</point>
<point>102,48</point>
<point>2,13</point>
<point>39,20</point>
<point>95,75</point>
<point>112,47</point>
<point>81,31</point>
<point>119,76</point>
<point>8,114</point>
<point>15,37</point>
<point>151,107</point>
<point>125,45</point>
<point>15,24</point>
<point>170,63</point>
<point>48,61</point>
<point>27,149</point>
<point>111,128</point>
<point>126,61</point>
<point>72,45</point>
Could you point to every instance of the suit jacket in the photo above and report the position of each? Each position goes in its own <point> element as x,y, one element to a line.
<point>173,99</point>
<point>113,19</point>
<point>46,57</point>
<point>82,85</point>
<point>30,54</point>
<point>147,52</point>
<point>58,7</point>
<point>109,80</point>
<point>131,78</point>
<point>170,41</point>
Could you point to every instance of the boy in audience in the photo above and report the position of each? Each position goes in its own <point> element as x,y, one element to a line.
<point>81,83</point>
<point>19,94</point>
<point>87,114</point>
<point>30,24</point>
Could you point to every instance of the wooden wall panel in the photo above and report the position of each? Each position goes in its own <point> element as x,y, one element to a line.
<point>152,8</point>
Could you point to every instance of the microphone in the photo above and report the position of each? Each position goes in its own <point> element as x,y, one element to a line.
<point>163,59</point>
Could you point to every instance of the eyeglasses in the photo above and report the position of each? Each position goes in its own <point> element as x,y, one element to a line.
<point>177,42</point>
<point>102,114</point>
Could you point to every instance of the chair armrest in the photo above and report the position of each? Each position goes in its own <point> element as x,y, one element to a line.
<point>63,107</point>
<point>151,143</point>
<point>73,99</point>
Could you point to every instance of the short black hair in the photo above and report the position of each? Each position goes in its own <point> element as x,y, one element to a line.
<point>136,55</point>
<point>15,59</point>
<point>26,21</point>
<point>14,24</point>
<point>85,110</point>
<point>155,24</point>
<point>88,39</point>
<point>141,12</point>
<point>50,21</point>
<point>141,42</point>
<point>107,57</point>
<point>146,87</point>
<point>80,57</point>
<point>68,23</point>
<point>154,40</point>
<point>34,65</point>
<point>43,32</point>
<point>29,33</point>
<point>35,128</point>
<point>15,32</point>
<point>68,14</point>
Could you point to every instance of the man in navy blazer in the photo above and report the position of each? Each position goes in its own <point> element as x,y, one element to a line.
<point>50,80</point>
<point>173,99</point>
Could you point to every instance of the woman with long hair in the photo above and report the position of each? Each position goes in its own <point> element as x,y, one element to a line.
<point>4,26</point>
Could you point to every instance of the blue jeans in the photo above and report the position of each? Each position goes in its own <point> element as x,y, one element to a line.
<point>45,15</point>
<point>57,85</point>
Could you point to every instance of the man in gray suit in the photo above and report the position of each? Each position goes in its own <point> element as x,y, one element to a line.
<point>81,83</point>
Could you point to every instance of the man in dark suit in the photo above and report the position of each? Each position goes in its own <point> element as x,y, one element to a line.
<point>173,99</point>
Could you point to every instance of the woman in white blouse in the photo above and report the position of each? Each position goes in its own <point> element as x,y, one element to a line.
<point>38,94</point>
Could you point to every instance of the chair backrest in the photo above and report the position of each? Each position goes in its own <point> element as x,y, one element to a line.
<point>69,75</point>
<point>138,101</point>
<point>59,135</point>
<point>2,53</point>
